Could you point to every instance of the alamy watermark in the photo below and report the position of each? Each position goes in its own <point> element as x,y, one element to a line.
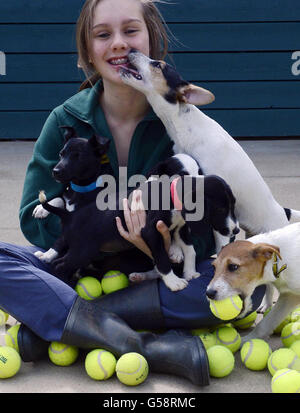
<point>2,64</point>
<point>296,65</point>
<point>155,193</point>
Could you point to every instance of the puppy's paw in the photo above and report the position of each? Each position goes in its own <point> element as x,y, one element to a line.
<point>47,256</point>
<point>175,254</point>
<point>137,277</point>
<point>174,283</point>
<point>39,212</point>
<point>39,254</point>
<point>190,275</point>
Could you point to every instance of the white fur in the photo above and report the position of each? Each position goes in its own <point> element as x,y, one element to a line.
<point>216,151</point>
<point>40,213</point>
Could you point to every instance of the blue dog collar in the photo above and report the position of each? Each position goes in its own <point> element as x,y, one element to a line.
<point>87,188</point>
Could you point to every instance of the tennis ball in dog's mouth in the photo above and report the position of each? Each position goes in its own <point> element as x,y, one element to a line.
<point>100,364</point>
<point>88,288</point>
<point>132,369</point>
<point>226,309</point>
<point>114,280</point>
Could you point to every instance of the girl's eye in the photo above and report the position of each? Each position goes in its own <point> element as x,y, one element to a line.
<point>103,35</point>
<point>131,31</point>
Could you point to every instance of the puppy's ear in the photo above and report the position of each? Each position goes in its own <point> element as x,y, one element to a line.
<point>100,143</point>
<point>69,132</point>
<point>195,95</point>
<point>264,252</point>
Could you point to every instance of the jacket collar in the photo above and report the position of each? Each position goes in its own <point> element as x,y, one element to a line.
<point>85,104</point>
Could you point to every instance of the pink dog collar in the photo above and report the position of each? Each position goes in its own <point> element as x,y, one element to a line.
<point>175,198</point>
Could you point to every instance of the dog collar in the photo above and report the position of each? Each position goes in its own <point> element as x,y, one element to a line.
<point>276,271</point>
<point>87,188</point>
<point>174,195</point>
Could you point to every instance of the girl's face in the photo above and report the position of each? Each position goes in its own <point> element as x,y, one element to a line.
<point>118,26</point>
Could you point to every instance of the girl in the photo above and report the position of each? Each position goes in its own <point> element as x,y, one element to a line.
<point>49,309</point>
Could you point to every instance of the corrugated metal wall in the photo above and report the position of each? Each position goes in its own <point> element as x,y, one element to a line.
<point>239,49</point>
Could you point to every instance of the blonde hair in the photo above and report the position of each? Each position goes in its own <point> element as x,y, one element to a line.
<point>158,37</point>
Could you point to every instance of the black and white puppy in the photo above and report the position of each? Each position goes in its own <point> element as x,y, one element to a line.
<point>87,229</point>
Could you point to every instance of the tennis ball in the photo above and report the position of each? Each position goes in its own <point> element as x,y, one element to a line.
<point>280,327</point>
<point>132,369</point>
<point>245,322</point>
<point>220,360</point>
<point>228,308</point>
<point>290,333</point>
<point>296,347</point>
<point>228,337</point>
<point>62,354</point>
<point>255,354</point>
<point>10,362</point>
<point>3,317</point>
<point>113,281</point>
<point>100,364</point>
<point>88,288</point>
<point>283,358</point>
<point>295,315</point>
<point>11,337</point>
<point>197,331</point>
<point>286,381</point>
<point>208,339</point>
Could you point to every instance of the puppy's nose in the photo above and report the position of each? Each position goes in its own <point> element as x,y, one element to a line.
<point>211,293</point>
<point>236,230</point>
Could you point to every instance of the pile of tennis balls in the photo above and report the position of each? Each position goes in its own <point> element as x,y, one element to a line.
<point>90,288</point>
<point>224,341</point>
<point>131,368</point>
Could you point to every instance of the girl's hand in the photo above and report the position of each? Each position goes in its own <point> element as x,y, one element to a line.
<point>136,220</point>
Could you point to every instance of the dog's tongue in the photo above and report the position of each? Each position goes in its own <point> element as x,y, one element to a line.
<point>130,68</point>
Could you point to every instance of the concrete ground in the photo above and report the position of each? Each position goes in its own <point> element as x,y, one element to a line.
<point>278,161</point>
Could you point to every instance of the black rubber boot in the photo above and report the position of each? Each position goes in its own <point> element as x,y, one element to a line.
<point>31,346</point>
<point>88,326</point>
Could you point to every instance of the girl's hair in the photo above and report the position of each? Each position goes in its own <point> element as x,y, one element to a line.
<point>158,37</point>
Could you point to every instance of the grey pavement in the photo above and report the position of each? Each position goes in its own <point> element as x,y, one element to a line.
<point>277,160</point>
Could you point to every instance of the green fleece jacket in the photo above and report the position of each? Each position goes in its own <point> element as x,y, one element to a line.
<point>149,145</point>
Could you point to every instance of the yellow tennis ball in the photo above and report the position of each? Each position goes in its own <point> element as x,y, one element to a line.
<point>283,323</point>
<point>62,354</point>
<point>11,337</point>
<point>296,347</point>
<point>283,358</point>
<point>221,361</point>
<point>113,281</point>
<point>100,364</point>
<point>88,288</point>
<point>208,339</point>
<point>290,333</point>
<point>10,362</point>
<point>245,322</point>
<point>228,337</point>
<point>295,315</point>
<point>132,369</point>
<point>286,381</point>
<point>3,317</point>
<point>228,308</point>
<point>255,354</point>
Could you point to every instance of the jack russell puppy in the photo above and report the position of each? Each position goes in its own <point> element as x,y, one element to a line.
<point>270,258</point>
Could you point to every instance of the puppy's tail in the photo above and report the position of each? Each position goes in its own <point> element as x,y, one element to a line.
<point>50,208</point>
<point>292,214</point>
